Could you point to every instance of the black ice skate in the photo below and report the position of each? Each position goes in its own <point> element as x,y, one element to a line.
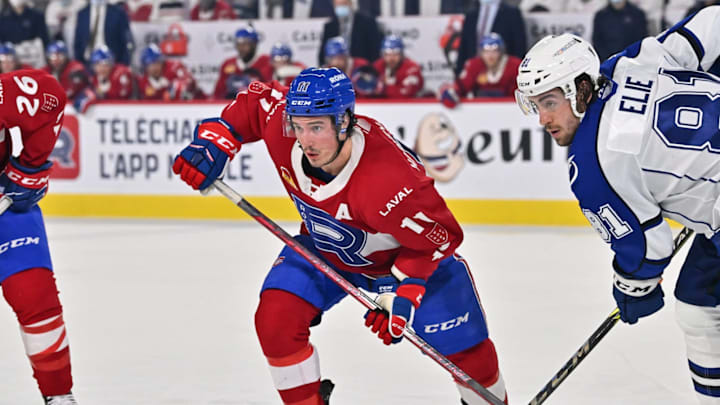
<point>326,388</point>
<point>67,399</point>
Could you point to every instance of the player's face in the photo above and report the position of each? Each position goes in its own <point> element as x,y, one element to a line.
<point>392,58</point>
<point>338,61</point>
<point>154,69</point>
<point>102,70</point>
<point>244,48</point>
<point>280,61</point>
<point>490,57</point>
<point>57,60</point>
<point>556,116</point>
<point>317,139</point>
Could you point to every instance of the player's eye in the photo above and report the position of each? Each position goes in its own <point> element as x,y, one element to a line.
<point>316,128</point>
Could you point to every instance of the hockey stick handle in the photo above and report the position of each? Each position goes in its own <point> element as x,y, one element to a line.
<point>353,291</point>
<point>595,338</point>
<point>5,203</point>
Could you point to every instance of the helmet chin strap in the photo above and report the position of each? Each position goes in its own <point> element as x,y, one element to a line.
<point>340,144</point>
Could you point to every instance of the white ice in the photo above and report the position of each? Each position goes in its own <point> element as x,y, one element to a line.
<point>162,313</point>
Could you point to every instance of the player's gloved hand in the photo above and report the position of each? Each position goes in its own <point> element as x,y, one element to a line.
<point>25,185</point>
<point>637,298</point>
<point>214,144</point>
<point>399,310</point>
<point>449,96</point>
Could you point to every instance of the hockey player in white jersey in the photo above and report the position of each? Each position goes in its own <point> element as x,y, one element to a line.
<point>644,144</point>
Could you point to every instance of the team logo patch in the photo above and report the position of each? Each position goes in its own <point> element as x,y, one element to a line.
<point>257,87</point>
<point>66,153</point>
<point>285,173</point>
<point>438,234</point>
<point>50,102</point>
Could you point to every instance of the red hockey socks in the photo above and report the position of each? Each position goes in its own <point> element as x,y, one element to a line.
<point>480,362</point>
<point>282,322</point>
<point>33,296</point>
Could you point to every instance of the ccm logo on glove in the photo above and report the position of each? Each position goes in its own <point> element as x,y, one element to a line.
<point>27,180</point>
<point>222,142</point>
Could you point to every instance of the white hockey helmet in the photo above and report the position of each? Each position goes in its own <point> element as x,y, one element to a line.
<point>555,61</point>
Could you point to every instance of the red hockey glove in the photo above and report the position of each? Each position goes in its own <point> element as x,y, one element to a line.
<point>24,185</point>
<point>399,310</point>
<point>214,144</point>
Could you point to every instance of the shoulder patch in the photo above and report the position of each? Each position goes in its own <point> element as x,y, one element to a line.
<point>50,102</point>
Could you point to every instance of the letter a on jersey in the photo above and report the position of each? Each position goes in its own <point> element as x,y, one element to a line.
<point>343,212</point>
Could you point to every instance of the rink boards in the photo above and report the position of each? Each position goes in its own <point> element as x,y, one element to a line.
<point>492,164</point>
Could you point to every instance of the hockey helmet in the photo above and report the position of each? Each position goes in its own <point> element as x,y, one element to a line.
<point>335,46</point>
<point>319,92</point>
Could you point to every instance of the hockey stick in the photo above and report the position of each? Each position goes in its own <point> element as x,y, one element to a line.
<point>5,203</point>
<point>355,292</point>
<point>595,338</point>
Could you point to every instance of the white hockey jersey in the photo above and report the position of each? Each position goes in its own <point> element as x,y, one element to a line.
<point>649,147</point>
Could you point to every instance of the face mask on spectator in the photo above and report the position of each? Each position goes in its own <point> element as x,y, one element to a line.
<point>342,11</point>
<point>17,3</point>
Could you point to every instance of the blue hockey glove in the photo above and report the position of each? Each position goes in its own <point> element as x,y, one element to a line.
<point>448,96</point>
<point>637,298</point>
<point>214,144</point>
<point>399,310</point>
<point>25,185</point>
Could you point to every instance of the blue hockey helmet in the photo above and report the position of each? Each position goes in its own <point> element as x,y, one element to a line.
<point>492,41</point>
<point>392,43</point>
<point>281,50</point>
<point>319,92</point>
<point>8,49</point>
<point>57,47</point>
<point>335,46</point>
<point>151,54</point>
<point>246,34</point>
<point>101,54</point>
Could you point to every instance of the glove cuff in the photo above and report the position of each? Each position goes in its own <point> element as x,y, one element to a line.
<point>15,163</point>
<point>634,287</point>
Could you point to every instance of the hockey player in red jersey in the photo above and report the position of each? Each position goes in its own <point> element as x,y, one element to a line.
<point>400,77</point>
<point>111,81</point>
<point>237,72</point>
<point>284,68</point>
<point>392,235</point>
<point>490,74</point>
<point>165,79</point>
<point>70,73</point>
<point>34,102</point>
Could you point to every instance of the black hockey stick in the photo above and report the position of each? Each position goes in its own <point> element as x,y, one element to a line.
<point>5,203</point>
<point>353,291</point>
<point>595,338</point>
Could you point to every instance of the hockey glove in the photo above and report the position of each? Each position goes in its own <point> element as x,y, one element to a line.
<point>399,310</point>
<point>25,185</point>
<point>637,298</point>
<point>214,144</point>
<point>449,96</point>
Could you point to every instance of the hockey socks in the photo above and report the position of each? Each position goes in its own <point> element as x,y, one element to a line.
<point>480,362</point>
<point>33,296</point>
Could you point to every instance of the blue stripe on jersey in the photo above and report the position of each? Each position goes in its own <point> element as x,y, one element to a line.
<point>707,390</point>
<point>704,372</point>
<point>689,36</point>
<point>684,176</point>
<point>674,28</point>
<point>652,222</point>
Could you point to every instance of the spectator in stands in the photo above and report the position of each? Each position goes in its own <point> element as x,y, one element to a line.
<point>246,9</point>
<point>337,55</point>
<point>360,31</point>
<point>209,10</point>
<point>237,72</point>
<point>490,74</point>
<point>160,11</point>
<point>111,81</point>
<point>296,9</point>
<point>616,26</point>
<point>93,31</point>
<point>399,76</point>
<point>70,73</point>
<point>394,8</point>
<point>25,27</point>
<point>488,16</point>
<point>165,79</point>
<point>9,61</point>
<point>284,69</point>
<point>61,14</point>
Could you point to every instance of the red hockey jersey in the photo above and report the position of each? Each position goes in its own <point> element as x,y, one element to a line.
<point>477,81</point>
<point>363,221</point>
<point>34,101</point>
<point>175,83</point>
<point>233,69</point>
<point>119,85</point>
<point>407,81</point>
<point>74,78</point>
